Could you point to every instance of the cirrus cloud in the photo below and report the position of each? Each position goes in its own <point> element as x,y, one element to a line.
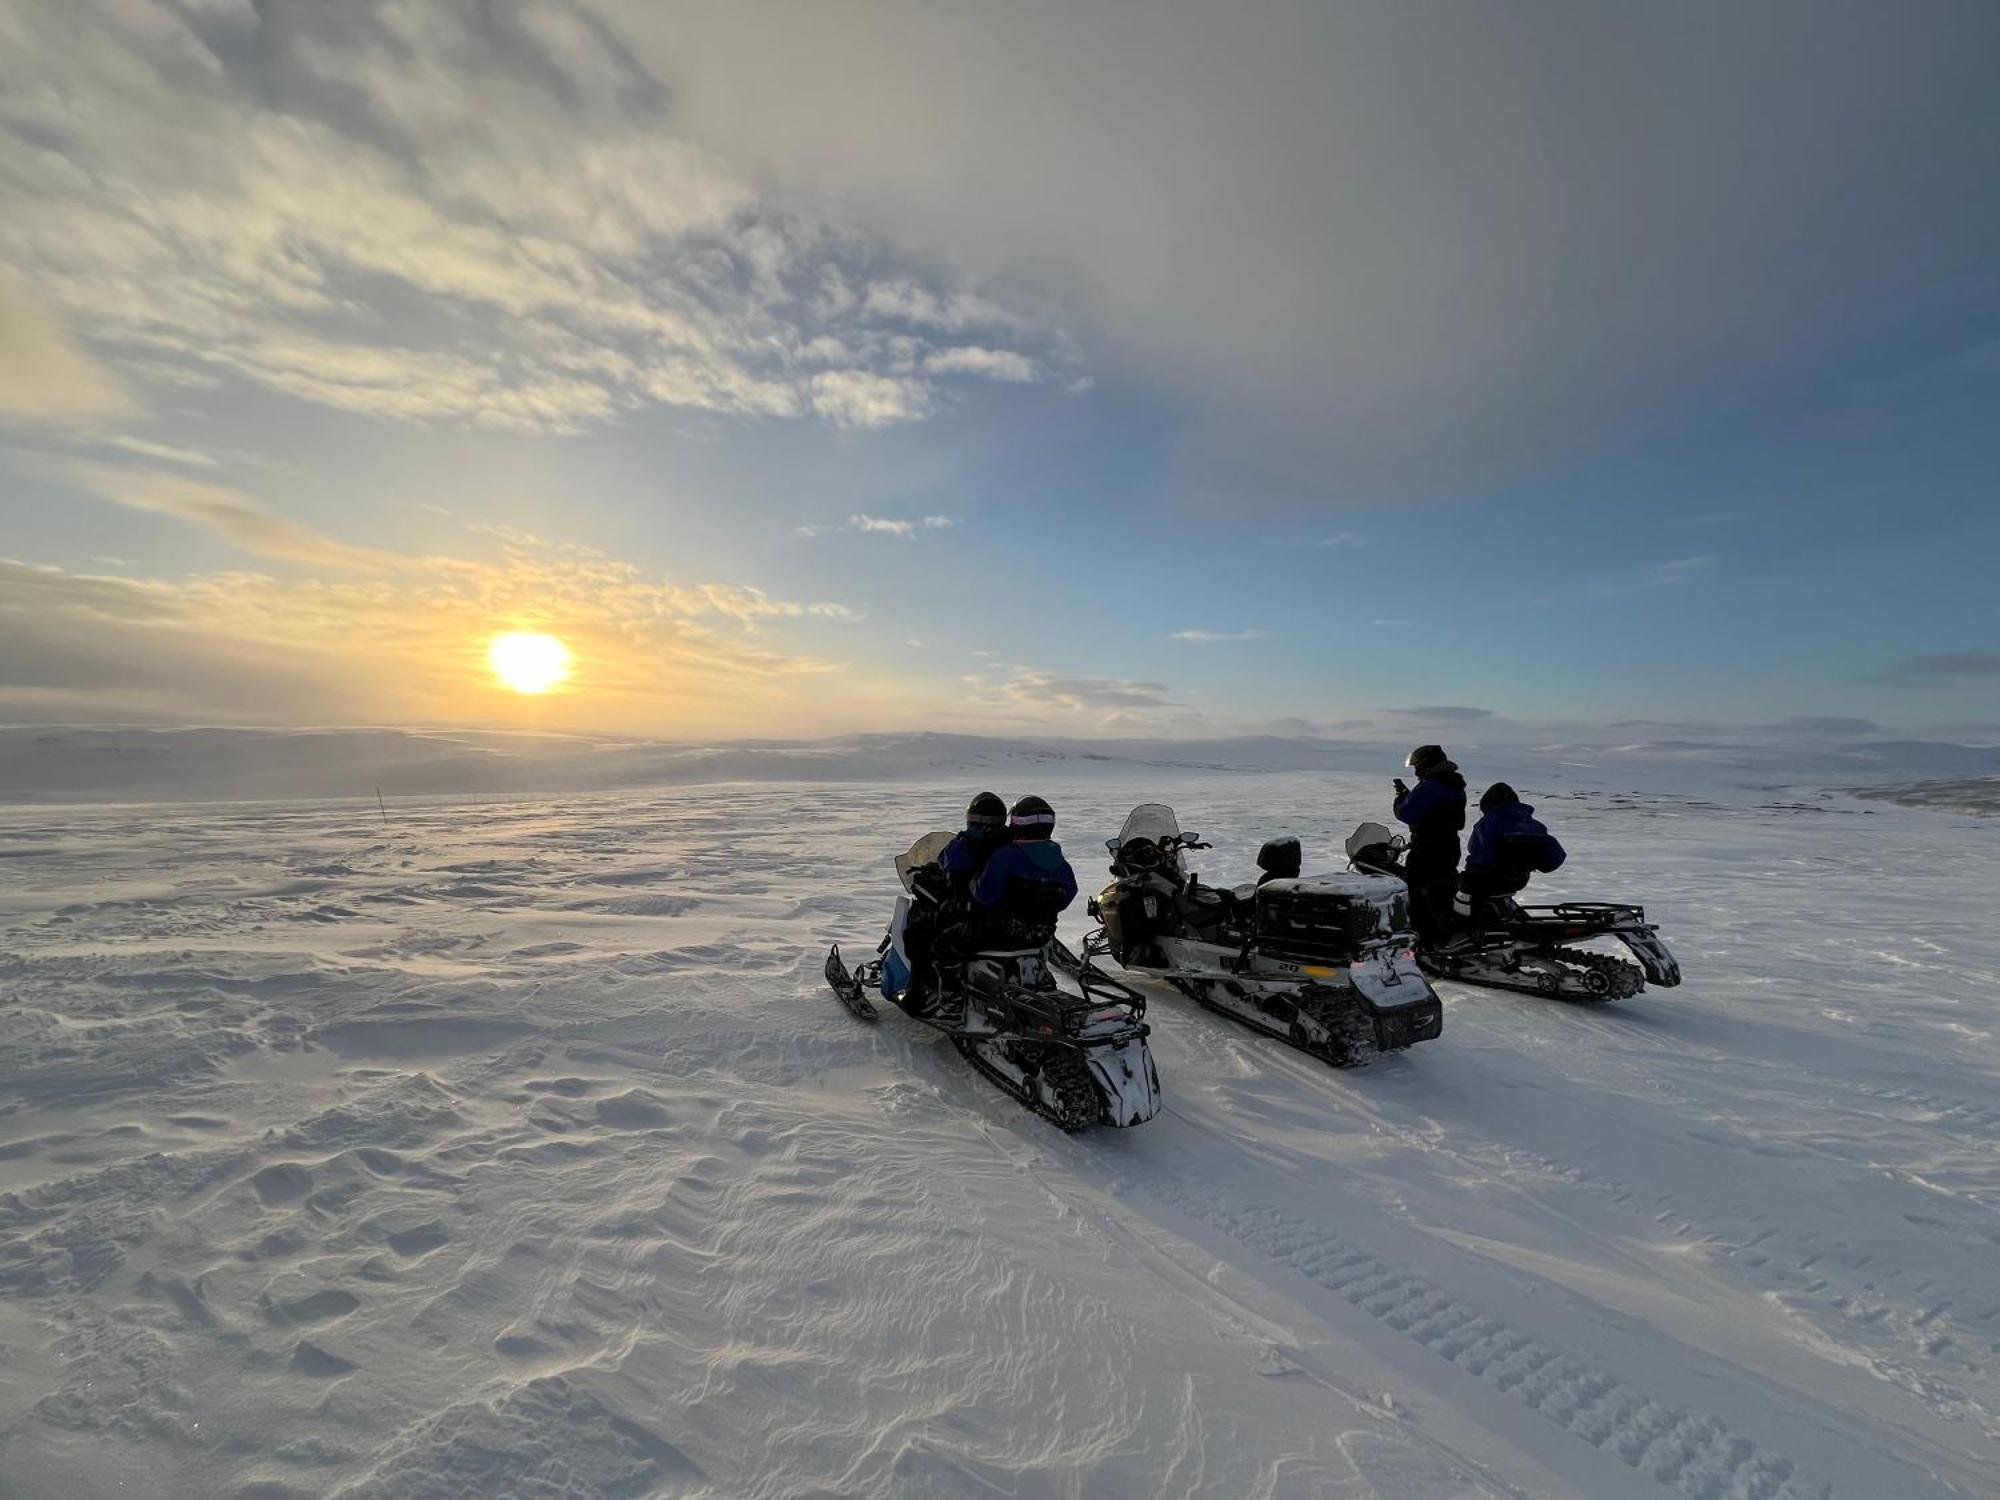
<point>442,212</point>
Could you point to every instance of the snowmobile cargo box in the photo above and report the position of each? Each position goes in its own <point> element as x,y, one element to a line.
<point>1327,919</point>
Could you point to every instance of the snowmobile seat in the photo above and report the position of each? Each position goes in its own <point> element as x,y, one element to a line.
<point>1280,859</point>
<point>1208,909</point>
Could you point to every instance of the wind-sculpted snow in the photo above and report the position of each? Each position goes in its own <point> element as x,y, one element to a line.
<point>517,1149</point>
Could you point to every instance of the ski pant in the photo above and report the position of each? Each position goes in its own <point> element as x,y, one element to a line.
<point>1432,887</point>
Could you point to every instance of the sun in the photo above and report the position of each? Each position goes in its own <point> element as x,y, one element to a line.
<point>526,661</point>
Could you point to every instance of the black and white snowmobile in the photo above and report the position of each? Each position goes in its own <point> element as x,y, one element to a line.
<point>1077,1058</point>
<point>1504,945</point>
<point>1325,964</point>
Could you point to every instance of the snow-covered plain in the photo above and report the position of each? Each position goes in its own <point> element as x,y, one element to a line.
<point>516,1148</point>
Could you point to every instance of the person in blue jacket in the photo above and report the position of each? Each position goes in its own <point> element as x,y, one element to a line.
<point>966,855</point>
<point>1508,846</point>
<point>1434,809</point>
<point>1027,882</point>
<point>931,931</point>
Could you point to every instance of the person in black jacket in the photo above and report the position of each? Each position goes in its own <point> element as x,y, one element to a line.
<point>1434,809</point>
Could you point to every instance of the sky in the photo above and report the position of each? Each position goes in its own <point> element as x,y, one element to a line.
<point>1098,368</point>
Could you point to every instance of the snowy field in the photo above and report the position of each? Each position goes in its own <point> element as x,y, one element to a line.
<point>516,1149</point>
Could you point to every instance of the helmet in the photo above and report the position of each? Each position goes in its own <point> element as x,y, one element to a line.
<point>986,812</point>
<point>1426,758</point>
<point>1032,818</point>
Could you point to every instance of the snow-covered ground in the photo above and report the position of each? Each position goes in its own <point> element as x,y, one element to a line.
<point>516,1149</point>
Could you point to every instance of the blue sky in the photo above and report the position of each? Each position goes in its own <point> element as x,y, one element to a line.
<point>1124,369</point>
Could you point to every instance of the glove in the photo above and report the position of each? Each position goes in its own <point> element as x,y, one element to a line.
<point>1401,790</point>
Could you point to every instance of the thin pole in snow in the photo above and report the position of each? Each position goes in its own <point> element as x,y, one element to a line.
<point>383,805</point>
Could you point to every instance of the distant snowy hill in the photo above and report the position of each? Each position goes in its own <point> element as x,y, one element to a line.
<point>42,764</point>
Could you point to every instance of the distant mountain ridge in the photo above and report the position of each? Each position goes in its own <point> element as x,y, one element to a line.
<point>42,764</point>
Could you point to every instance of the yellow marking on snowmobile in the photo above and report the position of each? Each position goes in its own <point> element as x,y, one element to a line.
<point>1318,971</point>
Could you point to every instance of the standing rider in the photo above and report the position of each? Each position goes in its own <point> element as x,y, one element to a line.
<point>1434,809</point>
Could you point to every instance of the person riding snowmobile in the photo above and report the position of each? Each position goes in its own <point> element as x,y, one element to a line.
<point>985,832</point>
<point>1434,809</point>
<point>933,927</point>
<point>1508,845</point>
<point>1027,882</point>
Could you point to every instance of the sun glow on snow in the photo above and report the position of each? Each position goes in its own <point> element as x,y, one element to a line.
<point>526,661</point>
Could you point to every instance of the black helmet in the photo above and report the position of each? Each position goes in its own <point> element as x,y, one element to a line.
<point>986,812</point>
<point>1498,795</point>
<point>1032,818</point>
<point>1426,758</point>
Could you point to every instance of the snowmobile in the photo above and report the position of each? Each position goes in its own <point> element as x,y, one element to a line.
<point>1504,945</point>
<point>1325,964</point>
<point>1078,1059</point>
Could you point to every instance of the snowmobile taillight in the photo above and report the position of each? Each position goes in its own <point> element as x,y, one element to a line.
<point>1112,1014</point>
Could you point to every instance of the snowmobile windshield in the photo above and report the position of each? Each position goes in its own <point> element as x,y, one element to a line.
<point>924,851</point>
<point>1150,820</point>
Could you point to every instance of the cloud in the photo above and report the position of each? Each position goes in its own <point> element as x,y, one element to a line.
<point>235,518</point>
<point>1042,690</point>
<point>171,453</point>
<point>904,528</point>
<point>1826,724</point>
<point>1667,574</point>
<point>1679,570</point>
<point>1941,667</point>
<point>405,646</point>
<point>1342,539</point>
<point>855,398</point>
<point>1465,715</point>
<point>1389,624</point>
<point>447,212</point>
<point>1207,637</point>
<point>1369,284</point>
<point>992,364</point>
<point>44,375</point>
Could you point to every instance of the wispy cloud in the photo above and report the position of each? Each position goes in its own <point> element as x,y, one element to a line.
<point>172,453</point>
<point>1341,539</point>
<point>1040,689</point>
<point>45,376</point>
<point>1005,365</point>
<point>235,518</point>
<point>1444,714</point>
<point>1669,574</point>
<point>1816,725</point>
<point>1941,667</point>
<point>1680,569</point>
<point>1209,637</point>
<point>438,212</point>
<point>902,527</point>
<point>405,643</point>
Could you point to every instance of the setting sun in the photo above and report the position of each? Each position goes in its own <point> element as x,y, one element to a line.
<point>527,661</point>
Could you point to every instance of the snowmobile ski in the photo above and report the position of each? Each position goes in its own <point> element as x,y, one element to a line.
<point>850,990</point>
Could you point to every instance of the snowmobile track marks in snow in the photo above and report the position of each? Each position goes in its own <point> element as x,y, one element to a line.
<point>1692,1452</point>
